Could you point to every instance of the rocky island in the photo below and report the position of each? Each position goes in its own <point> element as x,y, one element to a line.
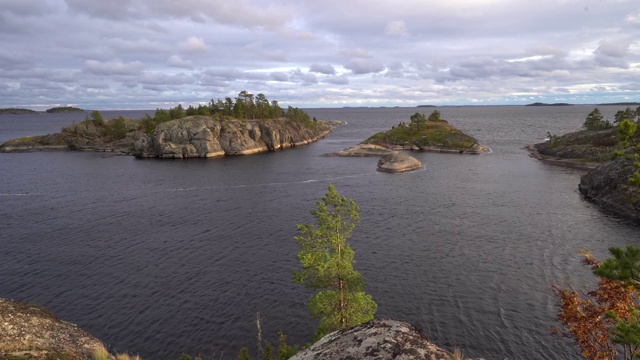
<point>222,128</point>
<point>421,134</point>
<point>610,153</point>
<point>427,134</point>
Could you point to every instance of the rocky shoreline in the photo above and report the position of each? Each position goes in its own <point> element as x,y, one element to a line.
<point>606,182</point>
<point>30,331</point>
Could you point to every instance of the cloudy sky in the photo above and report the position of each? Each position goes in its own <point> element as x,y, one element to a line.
<point>145,54</point>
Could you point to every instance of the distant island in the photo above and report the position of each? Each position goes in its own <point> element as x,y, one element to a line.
<point>426,106</point>
<point>621,103</point>
<point>545,104</point>
<point>63,109</point>
<point>54,110</point>
<point>16,111</point>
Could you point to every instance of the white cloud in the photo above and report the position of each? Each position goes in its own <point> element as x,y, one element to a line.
<point>633,18</point>
<point>195,44</point>
<point>177,61</point>
<point>396,28</point>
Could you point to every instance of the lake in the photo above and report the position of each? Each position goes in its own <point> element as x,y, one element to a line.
<point>161,257</point>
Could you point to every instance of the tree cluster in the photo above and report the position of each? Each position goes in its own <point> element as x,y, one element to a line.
<point>244,107</point>
<point>595,121</point>
<point>419,120</point>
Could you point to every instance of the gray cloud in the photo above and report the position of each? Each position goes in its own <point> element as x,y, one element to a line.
<point>279,76</point>
<point>326,69</point>
<point>114,67</point>
<point>360,66</point>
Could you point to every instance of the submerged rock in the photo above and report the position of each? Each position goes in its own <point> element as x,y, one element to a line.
<point>29,331</point>
<point>377,339</point>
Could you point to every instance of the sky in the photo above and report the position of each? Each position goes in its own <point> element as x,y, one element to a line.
<point>148,54</point>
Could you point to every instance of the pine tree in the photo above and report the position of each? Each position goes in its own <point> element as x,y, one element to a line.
<point>327,265</point>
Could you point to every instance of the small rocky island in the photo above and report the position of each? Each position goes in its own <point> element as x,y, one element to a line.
<point>427,134</point>
<point>611,155</point>
<point>221,128</point>
<point>421,134</point>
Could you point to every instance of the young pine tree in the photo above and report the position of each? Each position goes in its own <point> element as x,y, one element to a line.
<point>327,266</point>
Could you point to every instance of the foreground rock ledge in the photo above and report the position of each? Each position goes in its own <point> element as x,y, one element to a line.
<point>30,331</point>
<point>391,161</point>
<point>377,339</point>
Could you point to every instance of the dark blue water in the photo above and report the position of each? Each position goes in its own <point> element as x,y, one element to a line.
<point>160,257</point>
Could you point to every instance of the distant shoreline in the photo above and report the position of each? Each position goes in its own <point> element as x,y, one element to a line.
<point>54,110</point>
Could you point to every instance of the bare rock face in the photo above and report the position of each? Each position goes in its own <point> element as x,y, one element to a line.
<point>30,331</point>
<point>377,339</point>
<point>398,162</point>
<point>391,161</point>
<point>202,136</point>
<point>607,186</point>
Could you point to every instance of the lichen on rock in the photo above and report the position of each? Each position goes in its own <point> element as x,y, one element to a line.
<point>380,339</point>
<point>31,331</point>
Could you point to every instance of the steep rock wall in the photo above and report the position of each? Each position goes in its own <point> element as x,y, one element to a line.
<point>201,136</point>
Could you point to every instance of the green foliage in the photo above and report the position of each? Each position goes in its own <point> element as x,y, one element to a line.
<point>188,357</point>
<point>626,114</point>
<point>626,131</point>
<point>97,117</point>
<point>623,266</point>
<point>327,265</point>
<point>595,121</point>
<point>425,133</point>
<point>243,354</point>
<point>434,116</point>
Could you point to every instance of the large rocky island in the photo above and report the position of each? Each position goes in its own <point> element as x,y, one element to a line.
<point>609,157</point>
<point>219,129</point>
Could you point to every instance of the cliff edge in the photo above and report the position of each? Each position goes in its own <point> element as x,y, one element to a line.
<point>202,136</point>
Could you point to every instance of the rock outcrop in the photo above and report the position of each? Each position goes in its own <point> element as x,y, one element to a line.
<point>193,136</point>
<point>391,161</point>
<point>608,187</point>
<point>29,331</point>
<point>606,184</point>
<point>377,339</point>
<point>201,136</point>
<point>581,149</point>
